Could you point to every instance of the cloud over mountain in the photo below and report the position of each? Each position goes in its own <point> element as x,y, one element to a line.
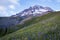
<point>6,6</point>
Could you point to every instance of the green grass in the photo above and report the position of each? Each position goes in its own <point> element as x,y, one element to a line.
<point>46,27</point>
<point>27,23</point>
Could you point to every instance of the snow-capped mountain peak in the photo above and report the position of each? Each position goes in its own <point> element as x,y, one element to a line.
<point>35,11</point>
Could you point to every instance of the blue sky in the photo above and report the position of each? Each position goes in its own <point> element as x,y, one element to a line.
<point>11,7</point>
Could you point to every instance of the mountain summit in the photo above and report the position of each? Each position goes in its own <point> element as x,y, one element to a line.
<point>35,10</point>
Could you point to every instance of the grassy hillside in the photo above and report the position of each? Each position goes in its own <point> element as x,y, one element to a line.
<point>46,27</point>
<point>30,21</point>
<point>24,23</point>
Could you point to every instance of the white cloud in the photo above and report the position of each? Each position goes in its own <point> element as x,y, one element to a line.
<point>8,7</point>
<point>2,8</point>
<point>3,11</point>
<point>11,6</point>
<point>14,1</point>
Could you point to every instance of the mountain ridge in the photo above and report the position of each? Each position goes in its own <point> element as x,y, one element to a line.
<point>36,9</point>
